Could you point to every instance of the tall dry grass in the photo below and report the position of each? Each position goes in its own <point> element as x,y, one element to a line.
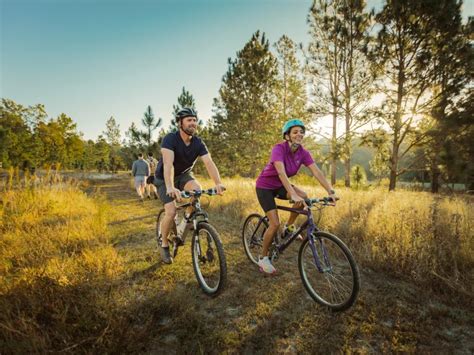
<point>429,238</point>
<point>54,258</point>
<point>63,287</point>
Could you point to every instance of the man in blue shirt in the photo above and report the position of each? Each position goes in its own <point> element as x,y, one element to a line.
<point>180,151</point>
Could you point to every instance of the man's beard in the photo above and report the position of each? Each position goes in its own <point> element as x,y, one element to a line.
<point>189,132</point>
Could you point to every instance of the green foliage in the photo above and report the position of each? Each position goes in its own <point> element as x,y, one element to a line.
<point>112,132</point>
<point>292,97</point>
<point>451,66</point>
<point>139,140</point>
<point>15,136</point>
<point>246,124</point>
<point>29,140</point>
<point>358,176</point>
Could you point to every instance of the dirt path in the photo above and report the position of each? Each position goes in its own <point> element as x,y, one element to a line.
<point>167,312</point>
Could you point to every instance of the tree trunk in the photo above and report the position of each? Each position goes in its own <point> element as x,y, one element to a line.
<point>333,146</point>
<point>435,174</point>
<point>393,165</point>
<point>348,140</point>
<point>347,181</point>
<point>398,124</point>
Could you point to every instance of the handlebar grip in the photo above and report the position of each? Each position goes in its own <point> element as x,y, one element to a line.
<point>185,194</point>
<point>330,199</point>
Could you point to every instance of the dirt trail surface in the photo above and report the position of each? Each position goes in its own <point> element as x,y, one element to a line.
<point>168,313</point>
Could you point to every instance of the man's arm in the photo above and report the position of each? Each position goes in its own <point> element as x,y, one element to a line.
<point>134,168</point>
<point>168,172</point>
<point>213,172</point>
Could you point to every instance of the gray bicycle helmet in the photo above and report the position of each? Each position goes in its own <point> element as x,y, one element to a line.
<point>185,112</point>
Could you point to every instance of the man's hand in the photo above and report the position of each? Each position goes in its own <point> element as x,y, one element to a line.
<point>333,196</point>
<point>174,193</point>
<point>220,189</point>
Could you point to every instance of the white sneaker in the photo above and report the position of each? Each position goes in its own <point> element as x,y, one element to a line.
<point>266,266</point>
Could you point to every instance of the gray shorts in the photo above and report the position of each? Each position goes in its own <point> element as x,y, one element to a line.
<point>179,182</point>
<point>139,181</point>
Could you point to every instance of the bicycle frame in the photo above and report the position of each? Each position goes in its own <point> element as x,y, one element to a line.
<point>197,211</point>
<point>310,228</point>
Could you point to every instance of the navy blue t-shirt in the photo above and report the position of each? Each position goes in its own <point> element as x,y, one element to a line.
<point>184,155</point>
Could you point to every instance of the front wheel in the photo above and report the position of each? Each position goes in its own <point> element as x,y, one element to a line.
<point>335,283</point>
<point>209,262</point>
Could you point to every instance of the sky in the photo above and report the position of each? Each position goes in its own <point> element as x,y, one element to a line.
<point>92,59</point>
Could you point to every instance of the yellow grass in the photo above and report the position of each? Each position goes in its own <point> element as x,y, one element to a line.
<point>54,240</point>
<point>70,280</point>
<point>418,234</point>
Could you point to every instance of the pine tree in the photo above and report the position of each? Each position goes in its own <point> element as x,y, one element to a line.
<point>292,92</point>
<point>150,124</point>
<point>112,131</point>
<point>356,75</point>
<point>246,116</point>
<point>112,136</point>
<point>143,140</point>
<point>323,57</point>
<point>185,99</point>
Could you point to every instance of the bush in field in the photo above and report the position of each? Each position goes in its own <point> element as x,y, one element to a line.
<point>358,176</point>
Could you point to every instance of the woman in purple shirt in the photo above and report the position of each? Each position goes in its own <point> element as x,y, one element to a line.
<point>285,161</point>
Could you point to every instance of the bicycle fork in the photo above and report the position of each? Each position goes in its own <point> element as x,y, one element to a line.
<point>317,260</point>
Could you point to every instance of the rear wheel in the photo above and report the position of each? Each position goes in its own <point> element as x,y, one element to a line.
<point>337,284</point>
<point>209,262</point>
<point>252,236</point>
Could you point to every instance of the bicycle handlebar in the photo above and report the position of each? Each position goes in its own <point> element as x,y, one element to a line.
<point>325,201</point>
<point>190,193</point>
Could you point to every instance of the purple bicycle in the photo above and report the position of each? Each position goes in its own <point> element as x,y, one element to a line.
<point>327,268</point>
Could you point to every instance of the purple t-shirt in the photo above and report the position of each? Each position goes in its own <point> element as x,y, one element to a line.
<point>268,178</point>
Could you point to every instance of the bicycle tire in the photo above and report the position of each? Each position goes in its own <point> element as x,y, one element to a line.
<point>327,288</point>
<point>204,277</point>
<point>253,248</point>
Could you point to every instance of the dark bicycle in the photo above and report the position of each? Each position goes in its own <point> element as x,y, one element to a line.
<point>207,252</point>
<point>326,265</point>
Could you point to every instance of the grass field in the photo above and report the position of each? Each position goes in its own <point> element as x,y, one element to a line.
<point>79,272</point>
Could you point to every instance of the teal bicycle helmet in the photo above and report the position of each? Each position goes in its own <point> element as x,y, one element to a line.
<point>294,122</point>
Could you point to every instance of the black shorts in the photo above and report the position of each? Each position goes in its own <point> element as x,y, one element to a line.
<point>266,198</point>
<point>150,179</point>
<point>179,182</point>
